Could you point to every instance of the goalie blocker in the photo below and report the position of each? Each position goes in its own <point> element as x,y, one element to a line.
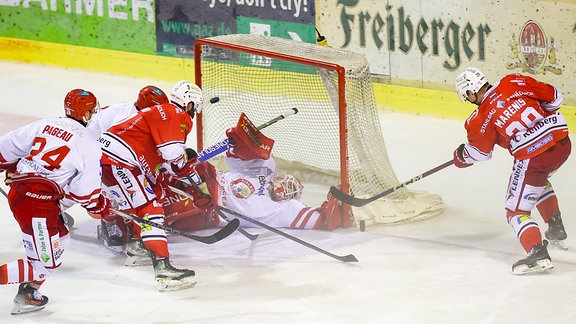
<point>247,142</point>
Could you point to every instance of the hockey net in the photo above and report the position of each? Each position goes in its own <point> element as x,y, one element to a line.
<point>335,138</point>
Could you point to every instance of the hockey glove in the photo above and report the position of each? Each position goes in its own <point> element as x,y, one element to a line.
<point>202,199</point>
<point>459,160</point>
<point>163,179</point>
<point>9,167</point>
<point>190,159</point>
<point>248,142</point>
<point>102,208</point>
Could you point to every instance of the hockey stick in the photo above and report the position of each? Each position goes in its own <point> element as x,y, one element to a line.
<point>344,258</point>
<point>223,145</point>
<point>66,218</point>
<point>213,238</point>
<point>251,237</point>
<point>359,202</point>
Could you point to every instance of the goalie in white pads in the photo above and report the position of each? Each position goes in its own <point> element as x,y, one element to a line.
<point>519,114</point>
<point>253,187</point>
<point>51,164</point>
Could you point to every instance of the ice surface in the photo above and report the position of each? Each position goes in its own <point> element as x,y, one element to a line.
<point>455,268</point>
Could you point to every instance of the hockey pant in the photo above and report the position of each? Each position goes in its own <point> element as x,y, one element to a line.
<point>44,235</point>
<point>529,187</point>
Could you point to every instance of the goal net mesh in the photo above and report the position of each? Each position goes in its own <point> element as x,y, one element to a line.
<point>265,76</point>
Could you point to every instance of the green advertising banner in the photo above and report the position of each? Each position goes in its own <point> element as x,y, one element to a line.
<point>289,30</point>
<point>122,25</point>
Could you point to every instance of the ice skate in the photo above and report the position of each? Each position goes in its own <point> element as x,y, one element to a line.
<point>538,260</point>
<point>556,233</point>
<point>169,278</point>
<point>113,237</point>
<point>28,300</point>
<point>137,254</point>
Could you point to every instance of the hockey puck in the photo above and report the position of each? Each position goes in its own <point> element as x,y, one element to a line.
<point>215,100</point>
<point>362,226</point>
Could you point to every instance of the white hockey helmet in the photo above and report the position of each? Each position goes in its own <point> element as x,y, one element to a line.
<point>185,92</point>
<point>471,79</point>
<point>285,187</point>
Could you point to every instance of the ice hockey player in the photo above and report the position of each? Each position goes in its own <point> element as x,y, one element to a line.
<point>51,164</point>
<point>112,232</point>
<point>253,187</point>
<point>133,153</point>
<point>519,114</point>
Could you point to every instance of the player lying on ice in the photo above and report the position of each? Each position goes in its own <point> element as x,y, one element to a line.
<point>252,186</point>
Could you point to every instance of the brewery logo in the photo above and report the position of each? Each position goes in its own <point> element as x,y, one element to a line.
<point>532,51</point>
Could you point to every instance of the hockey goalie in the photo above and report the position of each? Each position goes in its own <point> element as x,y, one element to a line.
<point>252,186</point>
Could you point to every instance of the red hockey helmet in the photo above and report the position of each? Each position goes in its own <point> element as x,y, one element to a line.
<point>150,96</point>
<point>78,102</point>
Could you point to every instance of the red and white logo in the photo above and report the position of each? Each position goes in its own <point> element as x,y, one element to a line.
<point>532,51</point>
<point>242,188</point>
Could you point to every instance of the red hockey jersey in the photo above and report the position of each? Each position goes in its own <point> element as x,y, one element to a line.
<point>146,140</point>
<point>519,114</point>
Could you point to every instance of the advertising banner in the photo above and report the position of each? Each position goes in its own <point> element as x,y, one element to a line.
<point>180,22</point>
<point>425,43</point>
<point>115,25</point>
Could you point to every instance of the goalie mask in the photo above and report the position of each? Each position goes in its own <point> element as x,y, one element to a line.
<point>285,187</point>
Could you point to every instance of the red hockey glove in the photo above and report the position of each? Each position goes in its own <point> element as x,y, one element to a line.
<point>9,167</point>
<point>459,157</point>
<point>249,142</point>
<point>163,179</point>
<point>102,208</point>
<point>191,159</point>
<point>202,200</point>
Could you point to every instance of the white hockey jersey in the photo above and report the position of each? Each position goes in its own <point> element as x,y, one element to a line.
<point>244,189</point>
<point>111,115</point>
<point>60,149</point>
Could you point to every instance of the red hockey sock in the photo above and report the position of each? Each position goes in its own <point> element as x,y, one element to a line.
<point>526,229</point>
<point>160,248</point>
<point>547,207</point>
<point>530,237</point>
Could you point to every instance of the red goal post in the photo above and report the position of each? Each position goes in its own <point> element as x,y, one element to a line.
<point>336,136</point>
